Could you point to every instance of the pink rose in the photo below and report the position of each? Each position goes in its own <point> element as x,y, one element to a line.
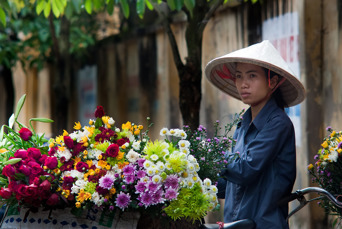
<point>45,185</point>
<point>42,159</point>
<point>36,169</point>
<point>25,134</point>
<point>112,150</point>
<point>53,200</point>
<point>69,142</point>
<point>25,170</point>
<point>21,153</point>
<point>34,153</point>
<point>5,193</point>
<point>51,162</point>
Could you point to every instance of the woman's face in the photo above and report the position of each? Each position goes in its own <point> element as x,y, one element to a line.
<point>252,84</point>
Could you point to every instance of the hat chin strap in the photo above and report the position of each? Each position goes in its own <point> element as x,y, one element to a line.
<point>278,84</point>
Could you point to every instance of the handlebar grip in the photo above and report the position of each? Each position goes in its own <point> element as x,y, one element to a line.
<point>288,199</point>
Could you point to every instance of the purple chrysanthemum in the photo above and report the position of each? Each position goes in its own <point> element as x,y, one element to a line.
<point>157,197</point>
<point>140,187</point>
<point>152,187</point>
<point>129,179</point>
<point>171,194</point>
<point>141,174</point>
<point>106,181</point>
<point>339,145</point>
<point>141,162</point>
<point>146,199</point>
<point>128,170</point>
<point>123,200</point>
<point>172,181</point>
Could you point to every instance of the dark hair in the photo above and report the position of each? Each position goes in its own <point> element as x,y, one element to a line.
<point>277,94</point>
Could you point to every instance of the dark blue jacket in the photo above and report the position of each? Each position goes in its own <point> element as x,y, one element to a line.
<point>265,169</point>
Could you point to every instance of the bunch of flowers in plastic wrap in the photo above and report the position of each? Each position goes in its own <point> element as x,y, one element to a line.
<point>327,169</point>
<point>106,167</point>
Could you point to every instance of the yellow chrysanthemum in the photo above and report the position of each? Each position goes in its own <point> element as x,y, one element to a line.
<point>333,133</point>
<point>65,133</point>
<point>141,127</point>
<point>127,126</point>
<point>3,150</point>
<point>51,144</point>
<point>136,132</point>
<point>112,191</point>
<point>66,193</point>
<point>82,196</point>
<point>59,139</point>
<point>120,155</point>
<point>89,163</point>
<point>325,144</point>
<point>121,165</point>
<point>102,163</point>
<point>91,122</point>
<point>105,119</point>
<point>77,126</point>
<point>310,167</point>
<point>78,204</point>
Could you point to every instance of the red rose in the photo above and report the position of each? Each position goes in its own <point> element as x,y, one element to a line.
<point>51,162</point>
<point>26,170</point>
<point>8,171</point>
<point>52,151</point>
<point>34,153</point>
<point>35,181</point>
<point>122,141</point>
<point>36,169</point>
<point>31,190</point>
<point>21,190</point>
<point>45,185</point>
<point>112,150</point>
<point>25,134</point>
<point>42,159</point>
<point>5,193</point>
<point>99,112</point>
<point>81,166</point>
<point>69,142</point>
<point>21,153</point>
<point>53,200</point>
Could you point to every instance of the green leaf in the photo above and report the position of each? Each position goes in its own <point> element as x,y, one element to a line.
<point>149,5</point>
<point>55,9</point>
<point>190,4</point>
<point>40,6</point>
<point>140,7</point>
<point>2,133</point>
<point>88,6</point>
<point>2,17</point>
<point>47,9</point>
<point>125,8</point>
<point>60,5</point>
<point>12,161</point>
<point>19,106</point>
<point>46,120</point>
<point>179,4</point>
<point>171,4</point>
<point>110,7</point>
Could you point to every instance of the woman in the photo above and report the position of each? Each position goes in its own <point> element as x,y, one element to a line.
<point>264,166</point>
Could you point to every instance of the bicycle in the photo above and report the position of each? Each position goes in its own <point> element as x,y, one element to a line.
<point>298,195</point>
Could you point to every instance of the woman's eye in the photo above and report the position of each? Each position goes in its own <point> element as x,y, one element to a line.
<point>252,75</point>
<point>237,76</point>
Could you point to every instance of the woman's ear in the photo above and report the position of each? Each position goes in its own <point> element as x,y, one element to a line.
<point>274,81</point>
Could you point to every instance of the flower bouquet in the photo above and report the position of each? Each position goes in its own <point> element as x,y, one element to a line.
<point>104,168</point>
<point>327,170</point>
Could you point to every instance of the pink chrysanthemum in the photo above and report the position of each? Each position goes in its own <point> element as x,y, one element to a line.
<point>157,197</point>
<point>129,179</point>
<point>141,174</point>
<point>172,181</point>
<point>152,187</point>
<point>146,199</point>
<point>128,170</point>
<point>123,200</point>
<point>107,181</point>
<point>171,194</point>
<point>140,187</point>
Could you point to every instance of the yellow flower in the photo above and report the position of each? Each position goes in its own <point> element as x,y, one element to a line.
<point>339,151</point>
<point>105,119</point>
<point>136,132</point>
<point>51,144</point>
<point>112,191</point>
<point>123,146</point>
<point>333,134</point>
<point>66,193</point>
<point>99,157</point>
<point>61,148</point>
<point>127,125</point>
<point>102,163</point>
<point>3,150</point>
<point>108,167</point>
<point>120,155</point>
<point>65,133</point>
<point>310,167</point>
<point>82,196</point>
<point>91,122</point>
<point>78,204</point>
<point>141,127</point>
<point>325,144</point>
<point>59,139</point>
<point>77,126</point>
<point>89,163</point>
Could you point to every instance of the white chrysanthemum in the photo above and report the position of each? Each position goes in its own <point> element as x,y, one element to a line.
<point>136,145</point>
<point>65,153</point>
<point>164,132</point>
<point>127,144</point>
<point>168,166</point>
<point>197,167</point>
<point>211,206</point>
<point>74,135</point>
<point>207,182</point>
<point>75,189</point>
<point>183,144</point>
<point>182,134</point>
<point>213,189</point>
<point>97,199</point>
<point>333,156</point>
<point>160,166</point>
<point>212,198</point>
<point>191,167</point>
<point>81,183</point>
<point>144,179</point>
<point>132,156</point>
<point>150,171</point>
<point>165,145</point>
<point>148,164</point>
<point>117,130</point>
<point>185,151</point>
<point>156,179</point>
<point>173,132</point>
<point>189,183</point>
<point>76,174</point>
<point>192,159</point>
<point>111,121</point>
<point>154,157</point>
<point>131,137</point>
<point>94,153</point>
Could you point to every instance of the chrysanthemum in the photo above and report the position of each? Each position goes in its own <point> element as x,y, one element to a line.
<point>157,197</point>
<point>146,199</point>
<point>152,187</point>
<point>65,153</point>
<point>172,181</point>
<point>171,194</point>
<point>128,170</point>
<point>164,132</point>
<point>140,187</point>
<point>207,182</point>
<point>154,157</point>
<point>129,179</point>
<point>136,145</point>
<point>123,200</point>
<point>183,144</point>
<point>107,181</point>
<point>140,174</point>
<point>156,179</point>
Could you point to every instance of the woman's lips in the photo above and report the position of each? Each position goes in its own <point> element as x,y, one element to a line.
<point>245,94</point>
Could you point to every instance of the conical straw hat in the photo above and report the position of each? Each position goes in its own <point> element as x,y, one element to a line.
<point>220,71</point>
